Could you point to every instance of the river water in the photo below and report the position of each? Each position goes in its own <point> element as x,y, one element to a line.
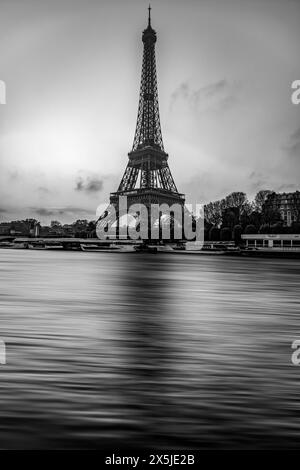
<point>148,350</point>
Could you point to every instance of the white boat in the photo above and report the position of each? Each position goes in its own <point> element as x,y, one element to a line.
<point>91,247</point>
<point>6,245</point>
<point>164,248</point>
<point>148,248</point>
<point>36,246</point>
<point>19,246</point>
<point>54,247</point>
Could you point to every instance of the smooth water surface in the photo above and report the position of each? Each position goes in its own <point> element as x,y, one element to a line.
<point>150,350</point>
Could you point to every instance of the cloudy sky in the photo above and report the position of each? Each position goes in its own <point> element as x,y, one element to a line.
<point>72,72</point>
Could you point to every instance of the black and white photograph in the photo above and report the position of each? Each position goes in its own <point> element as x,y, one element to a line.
<point>149,228</point>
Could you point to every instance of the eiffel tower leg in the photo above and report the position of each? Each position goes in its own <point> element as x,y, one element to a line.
<point>117,225</point>
<point>159,226</point>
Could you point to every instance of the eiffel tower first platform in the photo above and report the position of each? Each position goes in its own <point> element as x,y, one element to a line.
<point>147,178</point>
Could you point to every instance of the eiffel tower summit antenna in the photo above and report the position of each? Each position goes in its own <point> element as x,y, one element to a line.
<point>147,178</point>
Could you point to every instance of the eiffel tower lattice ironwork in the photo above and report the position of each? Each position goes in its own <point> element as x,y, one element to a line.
<point>147,178</point>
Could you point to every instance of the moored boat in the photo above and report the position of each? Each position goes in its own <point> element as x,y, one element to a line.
<point>36,246</point>
<point>6,245</point>
<point>95,248</point>
<point>53,247</point>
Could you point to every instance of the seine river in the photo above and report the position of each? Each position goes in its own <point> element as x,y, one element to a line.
<point>148,350</point>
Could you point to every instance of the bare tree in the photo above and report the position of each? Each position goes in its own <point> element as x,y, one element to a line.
<point>260,199</point>
<point>213,213</point>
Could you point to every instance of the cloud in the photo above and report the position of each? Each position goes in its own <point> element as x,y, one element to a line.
<point>43,212</point>
<point>258,181</point>
<point>219,95</point>
<point>55,211</point>
<point>14,174</point>
<point>293,145</point>
<point>2,210</point>
<point>288,187</point>
<point>183,91</point>
<point>89,184</point>
<point>211,90</point>
<point>43,190</point>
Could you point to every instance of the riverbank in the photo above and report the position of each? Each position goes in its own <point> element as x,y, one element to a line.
<point>166,249</point>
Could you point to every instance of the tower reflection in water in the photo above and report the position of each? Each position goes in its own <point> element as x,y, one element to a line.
<point>146,347</point>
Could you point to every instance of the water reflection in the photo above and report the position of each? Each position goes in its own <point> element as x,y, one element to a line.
<point>146,343</point>
<point>148,350</point>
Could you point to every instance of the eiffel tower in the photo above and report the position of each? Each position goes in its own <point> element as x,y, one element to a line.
<point>147,178</point>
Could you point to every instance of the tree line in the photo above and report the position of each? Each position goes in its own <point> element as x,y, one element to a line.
<point>228,218</point>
